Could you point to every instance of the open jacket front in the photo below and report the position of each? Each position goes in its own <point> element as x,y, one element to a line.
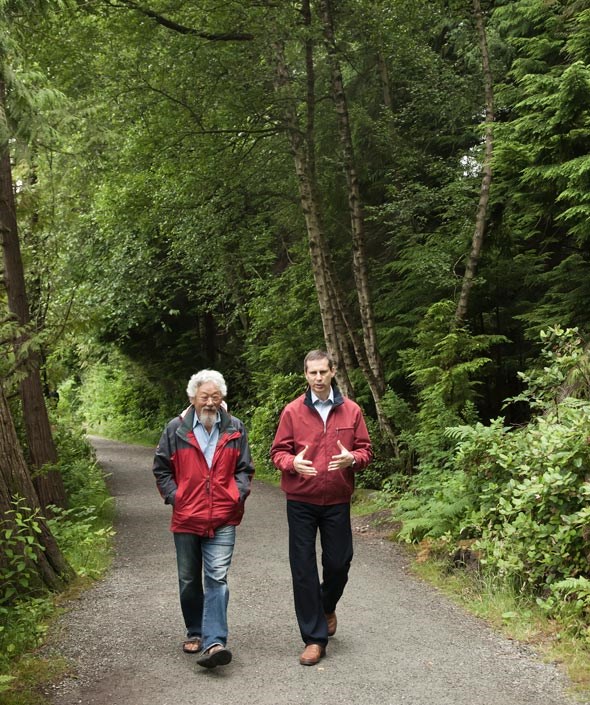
<point>301,425</point>
<point>203,498</point>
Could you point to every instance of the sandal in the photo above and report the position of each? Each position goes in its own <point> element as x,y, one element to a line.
<point>216,655</point>
<point>192,646</point>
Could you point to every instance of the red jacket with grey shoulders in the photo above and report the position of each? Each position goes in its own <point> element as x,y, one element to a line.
<point>203,498</point>
<point>301,425</point>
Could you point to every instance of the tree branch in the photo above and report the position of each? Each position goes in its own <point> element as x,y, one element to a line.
<point>182,29</point>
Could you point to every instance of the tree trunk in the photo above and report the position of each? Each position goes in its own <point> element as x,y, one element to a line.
<point>40,443</point>
<point>486,181</point>
<point>385,82</point>
<point>320,261</point>
<point>367,354</point>
<point>51,567</point>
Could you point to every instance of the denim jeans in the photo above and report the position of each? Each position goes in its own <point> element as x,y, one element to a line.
<point>205,610</point>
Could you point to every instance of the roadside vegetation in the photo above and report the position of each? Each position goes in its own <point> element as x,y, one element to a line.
<point>230,185</point>
<point>27,611</point>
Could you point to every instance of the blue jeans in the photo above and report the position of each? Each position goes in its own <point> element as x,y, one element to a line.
<point>205,610</point>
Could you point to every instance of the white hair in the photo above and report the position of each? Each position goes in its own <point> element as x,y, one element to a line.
<point>203,377</point>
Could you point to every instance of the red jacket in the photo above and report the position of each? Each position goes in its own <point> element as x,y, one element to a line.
<point>301,425</point>
<point>203,498</point>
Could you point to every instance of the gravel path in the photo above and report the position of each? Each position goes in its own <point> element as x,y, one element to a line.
<point>399,642</point>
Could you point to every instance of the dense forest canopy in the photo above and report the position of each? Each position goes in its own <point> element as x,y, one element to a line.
<point>230,184</point>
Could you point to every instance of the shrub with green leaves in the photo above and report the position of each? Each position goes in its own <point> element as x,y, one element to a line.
<point>534,481</point>
<point>22,607</point>
<point>534,493</point>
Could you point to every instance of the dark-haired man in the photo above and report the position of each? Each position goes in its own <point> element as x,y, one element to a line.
<point>320,443</point>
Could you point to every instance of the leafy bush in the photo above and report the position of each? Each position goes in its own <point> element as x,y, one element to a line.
<point>83,537</point>
<point>117,399</point>
<point>534,493</point>
<point>264,419</point>
<point>521,492</point>
<point>82,532</point>
<point>569,601</point>
<point>22,607</point>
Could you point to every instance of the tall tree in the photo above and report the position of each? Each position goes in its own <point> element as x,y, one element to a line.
<point>49,565</point>
<point>302,149</point>
<point>368,352</point>
<point>486,179</point>
<point>41,448</point>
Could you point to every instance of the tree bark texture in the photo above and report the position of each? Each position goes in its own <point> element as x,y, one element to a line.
<point>357,221</point>
<point>320,261</point>
<point>368,353</point>
<point>486,181</point>
<point>41,447</point>
<point>385,82</point>
<point>51,567</point>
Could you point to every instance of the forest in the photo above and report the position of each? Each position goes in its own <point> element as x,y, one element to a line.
<point>229,184</point>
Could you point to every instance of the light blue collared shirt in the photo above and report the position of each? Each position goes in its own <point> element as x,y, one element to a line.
<point>207,441</point>
<point>323,407</point>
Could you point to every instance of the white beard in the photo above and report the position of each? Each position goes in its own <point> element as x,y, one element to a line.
<point>207,418</point>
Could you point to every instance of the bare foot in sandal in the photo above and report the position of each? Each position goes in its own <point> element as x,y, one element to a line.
<point>192,646</point>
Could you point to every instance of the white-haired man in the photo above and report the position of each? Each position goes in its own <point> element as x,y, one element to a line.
<point>203,468</point>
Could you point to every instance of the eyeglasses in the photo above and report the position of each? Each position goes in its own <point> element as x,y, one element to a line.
<point>204,398</point>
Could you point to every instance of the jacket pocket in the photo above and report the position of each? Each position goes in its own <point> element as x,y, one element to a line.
<point>345,434</point>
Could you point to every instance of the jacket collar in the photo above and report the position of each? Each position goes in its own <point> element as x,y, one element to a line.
<point>188,420</point>
<point>338,398</point>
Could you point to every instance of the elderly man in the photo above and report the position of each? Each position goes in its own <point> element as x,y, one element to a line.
<point>203,468</point>
<point>320,443</point>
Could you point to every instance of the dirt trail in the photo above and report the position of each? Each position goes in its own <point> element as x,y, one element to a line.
<point>399,642</point>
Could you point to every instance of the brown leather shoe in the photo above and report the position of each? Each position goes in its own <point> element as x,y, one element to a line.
<point>332,623</point>
<point>312,654</point>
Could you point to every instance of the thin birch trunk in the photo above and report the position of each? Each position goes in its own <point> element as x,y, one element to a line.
<point>486,181</point>
<point>385,82</point>
<point>359,260</point>
<point>305,180</point>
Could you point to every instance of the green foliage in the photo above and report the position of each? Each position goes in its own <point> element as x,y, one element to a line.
<point>83,533</point>
<point>569,602</point>
<point>521,492</point>
<point>19,535</point>
<point>435,505</point>
<point>443,365</point>
<point>22,605</point>
<point>533,495</point>
<point>532,483</point>
<point>83,537</point>
<point>278,390</point>
<point>118,400</point>
<point>565,371</point>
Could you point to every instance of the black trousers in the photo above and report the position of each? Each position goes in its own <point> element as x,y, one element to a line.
<point>312,599</point>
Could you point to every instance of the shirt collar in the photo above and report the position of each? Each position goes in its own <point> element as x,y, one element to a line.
<point>315,399</point>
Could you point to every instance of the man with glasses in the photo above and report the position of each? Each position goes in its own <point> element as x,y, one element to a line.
<point>203,468</point>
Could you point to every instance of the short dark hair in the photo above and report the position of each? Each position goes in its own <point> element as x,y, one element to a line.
<point>317,355</point>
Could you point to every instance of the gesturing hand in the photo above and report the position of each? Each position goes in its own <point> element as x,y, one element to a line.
<point>342,460</point>
<point>302,466</point>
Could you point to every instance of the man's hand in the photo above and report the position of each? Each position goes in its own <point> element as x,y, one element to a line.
<point>302,466</point>
<point>343,460</point>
